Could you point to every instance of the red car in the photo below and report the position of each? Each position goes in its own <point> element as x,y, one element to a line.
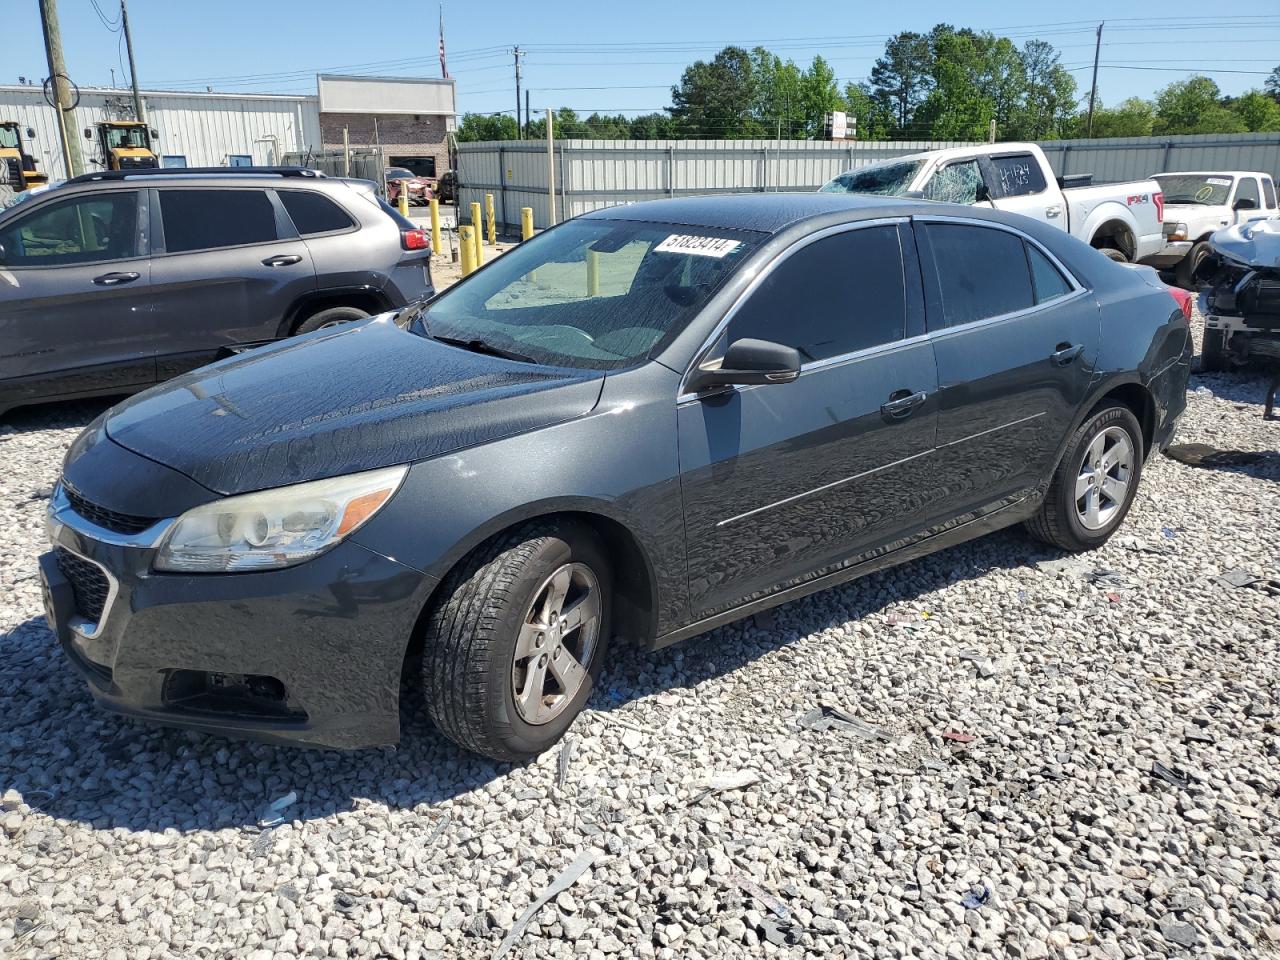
<point>420,189</point>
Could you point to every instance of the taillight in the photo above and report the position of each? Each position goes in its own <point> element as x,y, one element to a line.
<point>1184,299</point>
<point>415,240</point>
<point>1159,199</point>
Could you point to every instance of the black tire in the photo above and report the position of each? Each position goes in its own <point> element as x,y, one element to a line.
<point>470,644</point>
<point>1058,522</point>
<point>1184,273</point>
<point>330,318</point>
<point>1111,253</point>
<point>1213,352</point>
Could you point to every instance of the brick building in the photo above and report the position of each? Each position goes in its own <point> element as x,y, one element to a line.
<point>409,118</point>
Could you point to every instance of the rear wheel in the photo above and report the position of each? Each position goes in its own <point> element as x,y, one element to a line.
<point>1095,483</point>
<point>330,318</point>
<point>1111,253</point>
<point>1213,352</point>
<point>513,648</point>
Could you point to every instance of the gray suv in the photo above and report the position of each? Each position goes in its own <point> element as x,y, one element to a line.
<point>114,281</point>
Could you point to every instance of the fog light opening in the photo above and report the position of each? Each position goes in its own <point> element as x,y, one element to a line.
<point>235,694</point>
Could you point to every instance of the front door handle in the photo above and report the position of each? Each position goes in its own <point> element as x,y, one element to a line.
<point>1065,353</point>
<point>1052,212</point>
<point>902,402</point>
<point>115,279</point>
<point>283,260</point>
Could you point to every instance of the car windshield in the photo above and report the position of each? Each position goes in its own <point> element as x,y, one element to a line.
<point>9,138</point>
<point>119,138</point>
<point>1195,188</point>
<point>888,180</point>
<point>589,293</point>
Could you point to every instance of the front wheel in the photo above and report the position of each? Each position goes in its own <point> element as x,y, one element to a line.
<point>513,647</point>
<point>1185,272</point>
<point>1095,483</point>
<point>1213,352</point>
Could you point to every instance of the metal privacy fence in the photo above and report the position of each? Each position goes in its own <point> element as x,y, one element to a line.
<point>599,173</point>
<point>366,163</point>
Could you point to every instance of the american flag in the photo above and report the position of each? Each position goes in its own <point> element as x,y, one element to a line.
<point>444,68</point>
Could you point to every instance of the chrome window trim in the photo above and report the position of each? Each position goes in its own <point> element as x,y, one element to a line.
<point>768,268</point>
<point>1077,290</point>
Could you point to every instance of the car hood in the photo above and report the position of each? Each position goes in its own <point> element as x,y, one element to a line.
<point>340,401</point>
<point>1254,244</point>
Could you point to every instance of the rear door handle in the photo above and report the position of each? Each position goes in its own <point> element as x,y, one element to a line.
<point>283,260</point>
<point>901,403</point>
<point>1065,353</point>
<point>115,279</point>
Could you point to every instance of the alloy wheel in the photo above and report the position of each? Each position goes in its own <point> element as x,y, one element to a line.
<point>1102,486</point>
<point>558,636</point>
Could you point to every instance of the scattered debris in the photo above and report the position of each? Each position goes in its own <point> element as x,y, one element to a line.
<point>1202,391</point>
<point>1168,533</point>
<point>1114,597</point>
<point>1106,576</point>
<point>439,829</point>
<point>344,902</point>
<point>833,718</point>
<point>1203,455</point>
<point>762,897</point>
<point>721,782</point>
<point>562,763</point>
<point>1170,775</point>
<point>1237,578</point>
<point>272,814</point>
<point>956,736</point>
<point>568,877</point>
<point>976,898</point>
<point>1196,733</point>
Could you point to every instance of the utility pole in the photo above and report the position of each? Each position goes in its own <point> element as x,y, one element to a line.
<point>71,157</point>
<point>140,113</point>
<point>1093,90</point>
<point>519,125</point>
<point>527,114</point>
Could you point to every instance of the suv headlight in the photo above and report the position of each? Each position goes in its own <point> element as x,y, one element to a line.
<point>275,528</point>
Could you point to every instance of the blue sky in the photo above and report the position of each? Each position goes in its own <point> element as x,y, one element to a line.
<point>617,56</point>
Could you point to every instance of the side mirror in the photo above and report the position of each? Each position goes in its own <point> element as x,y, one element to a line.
<point>748,361</point>
<point>88,133</point>
<point>983,193</point>
<point>31,133</point>
<point>1245,203</point>
<point>155,134</point>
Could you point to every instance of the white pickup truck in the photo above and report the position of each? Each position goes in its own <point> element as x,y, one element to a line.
<point>1197,204</point>
<point>1122,220</point>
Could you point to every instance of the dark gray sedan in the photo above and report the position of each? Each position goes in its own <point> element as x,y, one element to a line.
<point>645,422</point>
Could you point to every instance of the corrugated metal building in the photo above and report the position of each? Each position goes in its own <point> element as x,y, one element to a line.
<point>228,129</point>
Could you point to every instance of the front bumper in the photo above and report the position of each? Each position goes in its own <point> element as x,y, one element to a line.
<point>308,655</point>
<point>1169,255</point>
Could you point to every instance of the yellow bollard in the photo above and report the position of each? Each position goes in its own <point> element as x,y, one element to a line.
<point>404,200</point>
<point>492,227</point>
<point>467,241</point>
<point>436,245</point>
<point>526,223</point>
<point>478,223</point>
<point>593,274</point>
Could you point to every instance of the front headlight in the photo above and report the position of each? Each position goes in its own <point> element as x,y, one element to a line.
<point>275,528</point>
<point>1180,231</point>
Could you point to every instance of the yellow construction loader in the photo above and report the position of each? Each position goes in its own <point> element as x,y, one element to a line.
<point>125,144</point>
<point>17,167</point>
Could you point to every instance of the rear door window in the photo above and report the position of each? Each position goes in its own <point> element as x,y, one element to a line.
<point>981,272</point>
<point>209,219</point>
<point>831,297</point>
<point>1018,175</point>
<point>313,212</point>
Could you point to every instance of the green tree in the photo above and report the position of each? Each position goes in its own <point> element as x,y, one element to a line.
<point>652,126</point>
<point>1134,117</point>
<point>778,106</point>
<point>1049,96</point>
<point>901,79</point>
<point>1257,111</point>
<point>486,126</point>
<point>819,95</point>
<point>961,103</point>
<point>1272,85</point>
<point>875,118</point>
<point>1193,106</point>
<point>717,99</point>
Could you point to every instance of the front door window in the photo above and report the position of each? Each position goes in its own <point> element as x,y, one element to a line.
<point>87,229</point>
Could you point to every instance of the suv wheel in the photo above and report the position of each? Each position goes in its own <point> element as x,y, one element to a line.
<point>1213,352</point>
<point>513,648</point>
<point>330,318</point>
<point>1094,485</point>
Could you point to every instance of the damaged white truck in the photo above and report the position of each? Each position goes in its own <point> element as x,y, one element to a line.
<point>1122,220</point>
<point>1241,299</point>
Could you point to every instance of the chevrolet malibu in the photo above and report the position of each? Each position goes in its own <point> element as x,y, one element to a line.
<point>643,423</point>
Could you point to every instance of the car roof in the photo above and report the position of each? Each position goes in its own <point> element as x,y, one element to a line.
<point>762,212</point>
<point>1210,173</point>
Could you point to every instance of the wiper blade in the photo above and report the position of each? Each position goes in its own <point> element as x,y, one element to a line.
<point>476,345</point>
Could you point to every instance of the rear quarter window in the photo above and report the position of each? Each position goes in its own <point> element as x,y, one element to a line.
<point>314,213</point>
<point>1018,175</point>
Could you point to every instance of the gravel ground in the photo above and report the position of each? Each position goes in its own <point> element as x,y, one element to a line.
<point>1015,760</point>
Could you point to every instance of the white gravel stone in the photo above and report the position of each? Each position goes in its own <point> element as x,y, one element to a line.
<point>122,840</point>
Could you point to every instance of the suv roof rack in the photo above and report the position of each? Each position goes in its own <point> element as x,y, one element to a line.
<point>107,175</point>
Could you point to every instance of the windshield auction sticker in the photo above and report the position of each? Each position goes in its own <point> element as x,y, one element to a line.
<point>1219,181</point>
<point>698,246</point>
